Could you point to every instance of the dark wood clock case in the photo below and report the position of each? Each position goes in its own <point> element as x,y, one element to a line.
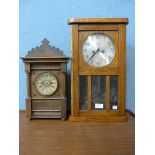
<point>47,59</point>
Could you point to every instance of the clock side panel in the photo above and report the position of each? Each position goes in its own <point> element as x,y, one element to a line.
<point>28,82</point>
<point>74,71</point>
<point>48,108</point>
<point>122,69</point>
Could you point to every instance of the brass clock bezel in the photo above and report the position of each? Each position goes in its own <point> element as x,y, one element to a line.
<point>35,84</point>
<point>85,68</point>
<point>103,34</point>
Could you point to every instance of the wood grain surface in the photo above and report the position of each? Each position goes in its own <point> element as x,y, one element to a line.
<point>81,28</point>
<point>56,137</point>
<point>97,20</point>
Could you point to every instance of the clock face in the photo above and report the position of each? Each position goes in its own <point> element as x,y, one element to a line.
<point>46,83</point>
<point>98,50</point>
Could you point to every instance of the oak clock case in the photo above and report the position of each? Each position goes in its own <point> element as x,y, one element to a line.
<point>45,67</point>
<point>98,72</point>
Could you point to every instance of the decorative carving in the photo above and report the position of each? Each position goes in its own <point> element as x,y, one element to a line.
<point>45,50</point>
<point>27,68</point>
<point>28,85</point>
<point>28,108</point>
<point>63,67</point>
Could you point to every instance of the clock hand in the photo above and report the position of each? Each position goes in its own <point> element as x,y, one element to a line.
<point>103,51</point>
<point>103,57</point>
<point>94,54</point>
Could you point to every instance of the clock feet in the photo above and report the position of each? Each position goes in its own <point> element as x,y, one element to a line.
<point>63,117</point>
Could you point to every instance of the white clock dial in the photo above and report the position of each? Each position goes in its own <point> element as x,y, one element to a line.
<point>98,50</point>
<point>46,83</point>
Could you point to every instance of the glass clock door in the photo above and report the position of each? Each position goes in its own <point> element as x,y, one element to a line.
<point>102,96</point>
<point>98,92</point>
<point>83,93</point>
<point>114,92</point>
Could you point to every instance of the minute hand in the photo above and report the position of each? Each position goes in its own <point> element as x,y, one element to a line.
<point>94,54</point>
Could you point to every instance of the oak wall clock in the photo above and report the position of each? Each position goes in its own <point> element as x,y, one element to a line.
<point>98,71</point>
<point>45,67</point>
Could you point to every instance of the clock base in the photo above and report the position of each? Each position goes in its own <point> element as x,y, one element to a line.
<point>99,119</point>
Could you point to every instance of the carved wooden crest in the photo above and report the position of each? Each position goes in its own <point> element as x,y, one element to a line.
<point>45,50</point>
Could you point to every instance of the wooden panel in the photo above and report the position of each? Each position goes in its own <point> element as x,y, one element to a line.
<point>27,68</point>
<point>98,113</point>
<point>45,66</point>
<point>99,119</point>
<point>46,105</point>
<point>63,67</point>
<point>122,68</point>
<point>46,114</point>
<point>64,109</point>
<point>48,98</point>
<point>107,93</point>
<point>99,27</point>
<point>97,20</point>
<point>49,108</point>
<point>74,71</point>
<point>28,108</point>
<point>46,137</point>
<point>44,59</point>
<point>102,71</point>
<point>63,84</point>
<point>89,94</point>
<point>28,81</point>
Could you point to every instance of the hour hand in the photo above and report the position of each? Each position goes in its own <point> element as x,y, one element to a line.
<point>93,54</point>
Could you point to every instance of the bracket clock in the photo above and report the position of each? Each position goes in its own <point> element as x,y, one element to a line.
<point>45,67</point>
<point>98,71</point>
